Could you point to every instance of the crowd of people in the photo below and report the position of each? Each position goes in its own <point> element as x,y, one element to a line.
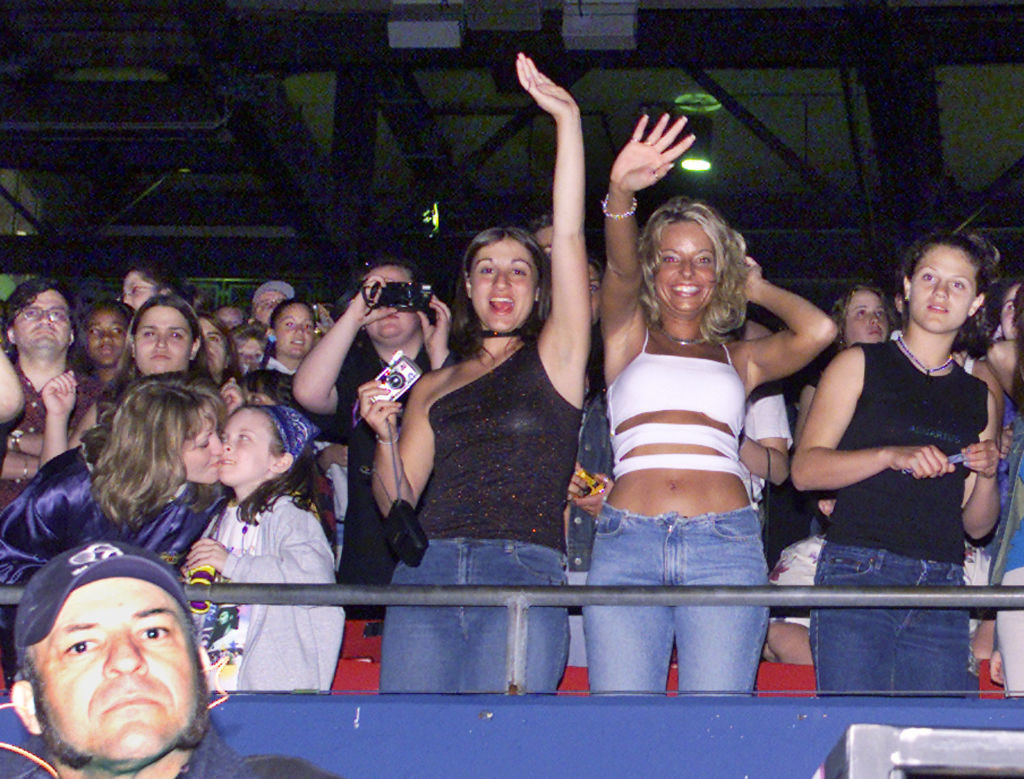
<point>612,422</point>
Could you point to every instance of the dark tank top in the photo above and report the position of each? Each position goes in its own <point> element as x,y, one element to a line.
<point>504,449</point>
<point>899,405</point>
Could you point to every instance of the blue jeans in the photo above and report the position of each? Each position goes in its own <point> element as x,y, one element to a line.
<point>888,650</point>
<point>462,649</point>
<point>629,647</point>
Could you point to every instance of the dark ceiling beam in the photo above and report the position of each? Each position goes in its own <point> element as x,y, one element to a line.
<point>196,32</point>
<point>22,211</point>
<point>273,134</point>
<point>761,131</point>
<point>208,257</point>
<point>218,154</point>
<point>867,209</point>
<point>78,108</point>
<point>284,153</point>
<point>898,76</point>
<point>717,38</point>
<point>353,158</point>
<point>982,200</point>
<point>412,122</point>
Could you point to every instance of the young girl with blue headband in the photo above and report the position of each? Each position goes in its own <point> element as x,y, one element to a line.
<point>269,534</point>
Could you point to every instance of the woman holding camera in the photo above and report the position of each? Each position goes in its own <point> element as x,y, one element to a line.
<point>679,512</point>
<point>362,342</point>
<point>495,435</point>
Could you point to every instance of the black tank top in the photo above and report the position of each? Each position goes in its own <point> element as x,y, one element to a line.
<point>505,445</point>
<point>899,405</point>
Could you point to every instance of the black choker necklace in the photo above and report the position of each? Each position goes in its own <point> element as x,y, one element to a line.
<point>495,334</point>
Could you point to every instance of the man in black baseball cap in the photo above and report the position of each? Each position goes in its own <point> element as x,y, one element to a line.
<point>111,680</point>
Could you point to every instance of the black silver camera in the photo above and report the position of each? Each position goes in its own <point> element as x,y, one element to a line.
<point>399,376</point>
<point>403,295</point>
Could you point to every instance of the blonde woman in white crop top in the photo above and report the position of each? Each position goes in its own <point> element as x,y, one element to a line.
<point>679,513</point>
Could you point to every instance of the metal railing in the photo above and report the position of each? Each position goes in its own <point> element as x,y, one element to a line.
<point>518,600</point>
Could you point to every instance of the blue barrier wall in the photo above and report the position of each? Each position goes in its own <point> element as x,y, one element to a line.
<point>501,736</point>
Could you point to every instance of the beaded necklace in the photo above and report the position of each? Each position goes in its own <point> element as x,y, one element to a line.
<point>917,363</point>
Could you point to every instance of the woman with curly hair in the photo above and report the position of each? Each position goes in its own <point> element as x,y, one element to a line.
<point>679,512</point>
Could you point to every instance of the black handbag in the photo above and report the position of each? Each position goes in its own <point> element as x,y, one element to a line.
<point>404,534</point>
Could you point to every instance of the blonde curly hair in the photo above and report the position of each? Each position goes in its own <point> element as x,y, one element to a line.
<point>728,305</point>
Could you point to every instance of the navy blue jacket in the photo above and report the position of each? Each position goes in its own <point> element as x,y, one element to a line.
<point>56,511</point>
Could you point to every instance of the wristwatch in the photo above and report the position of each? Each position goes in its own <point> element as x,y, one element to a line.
<point>15,440</point>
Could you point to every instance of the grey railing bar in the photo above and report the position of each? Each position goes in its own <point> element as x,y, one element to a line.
<point>792,597</point>
<point>475,595</point>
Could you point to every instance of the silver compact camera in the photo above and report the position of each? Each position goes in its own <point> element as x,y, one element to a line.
<point>399,376</point>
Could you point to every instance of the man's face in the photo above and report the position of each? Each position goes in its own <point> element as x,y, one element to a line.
<point>42,327</point>
<point>117,680</point>
<point>264,305</point>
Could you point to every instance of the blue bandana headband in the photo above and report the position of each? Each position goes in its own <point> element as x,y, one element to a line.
<point>295,430</point>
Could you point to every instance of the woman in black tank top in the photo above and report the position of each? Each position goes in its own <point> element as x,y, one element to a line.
<point>495,435</point>
<point>887,428</point>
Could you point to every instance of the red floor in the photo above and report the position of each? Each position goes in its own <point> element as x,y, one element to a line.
<point>359,671</point>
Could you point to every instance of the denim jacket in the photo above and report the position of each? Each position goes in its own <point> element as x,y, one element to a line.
<point>595,455</point>
<point>1013,509</point>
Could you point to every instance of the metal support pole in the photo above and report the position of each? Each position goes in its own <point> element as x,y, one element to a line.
<point>23,212</point>
<point>515,643</point>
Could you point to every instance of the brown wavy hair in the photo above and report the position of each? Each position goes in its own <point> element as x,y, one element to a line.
<point>984,256</point>
<point>467,335</point>
<point>137,467</point>
<point>728,305</point>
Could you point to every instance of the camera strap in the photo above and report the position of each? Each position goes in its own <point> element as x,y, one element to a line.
<point>394,459</point>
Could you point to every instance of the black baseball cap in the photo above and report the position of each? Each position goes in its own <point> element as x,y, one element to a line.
<point>49,588</point>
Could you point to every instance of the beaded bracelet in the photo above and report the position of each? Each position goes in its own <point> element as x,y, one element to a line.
<point>386,442</point>
<point>610,215</point>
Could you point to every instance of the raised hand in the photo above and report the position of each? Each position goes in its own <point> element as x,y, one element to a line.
<point>435,336</point>
<point>755,279</point>
<point>59,394</point>
<point>547,94</point>
<point>645,160</point>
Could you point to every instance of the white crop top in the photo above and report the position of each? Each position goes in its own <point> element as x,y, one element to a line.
<point>666,382</point>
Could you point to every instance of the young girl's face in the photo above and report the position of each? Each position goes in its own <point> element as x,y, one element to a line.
<point>294,331</point>
<point>943,291</point>
<point>250,352</point>
<point>502,285</point>
<point>865,321</point>
<point>248,459</point>
<point>216,347</point>
<point>163,341</point>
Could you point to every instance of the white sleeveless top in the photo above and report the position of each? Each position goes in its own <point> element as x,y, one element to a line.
<point>666,382</point>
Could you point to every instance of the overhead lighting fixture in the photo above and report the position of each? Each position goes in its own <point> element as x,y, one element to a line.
<point>605,25</point>
<point>695,164</point>
<point>697,159</point>
<point>693,103</point>
<point>425,24</point>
